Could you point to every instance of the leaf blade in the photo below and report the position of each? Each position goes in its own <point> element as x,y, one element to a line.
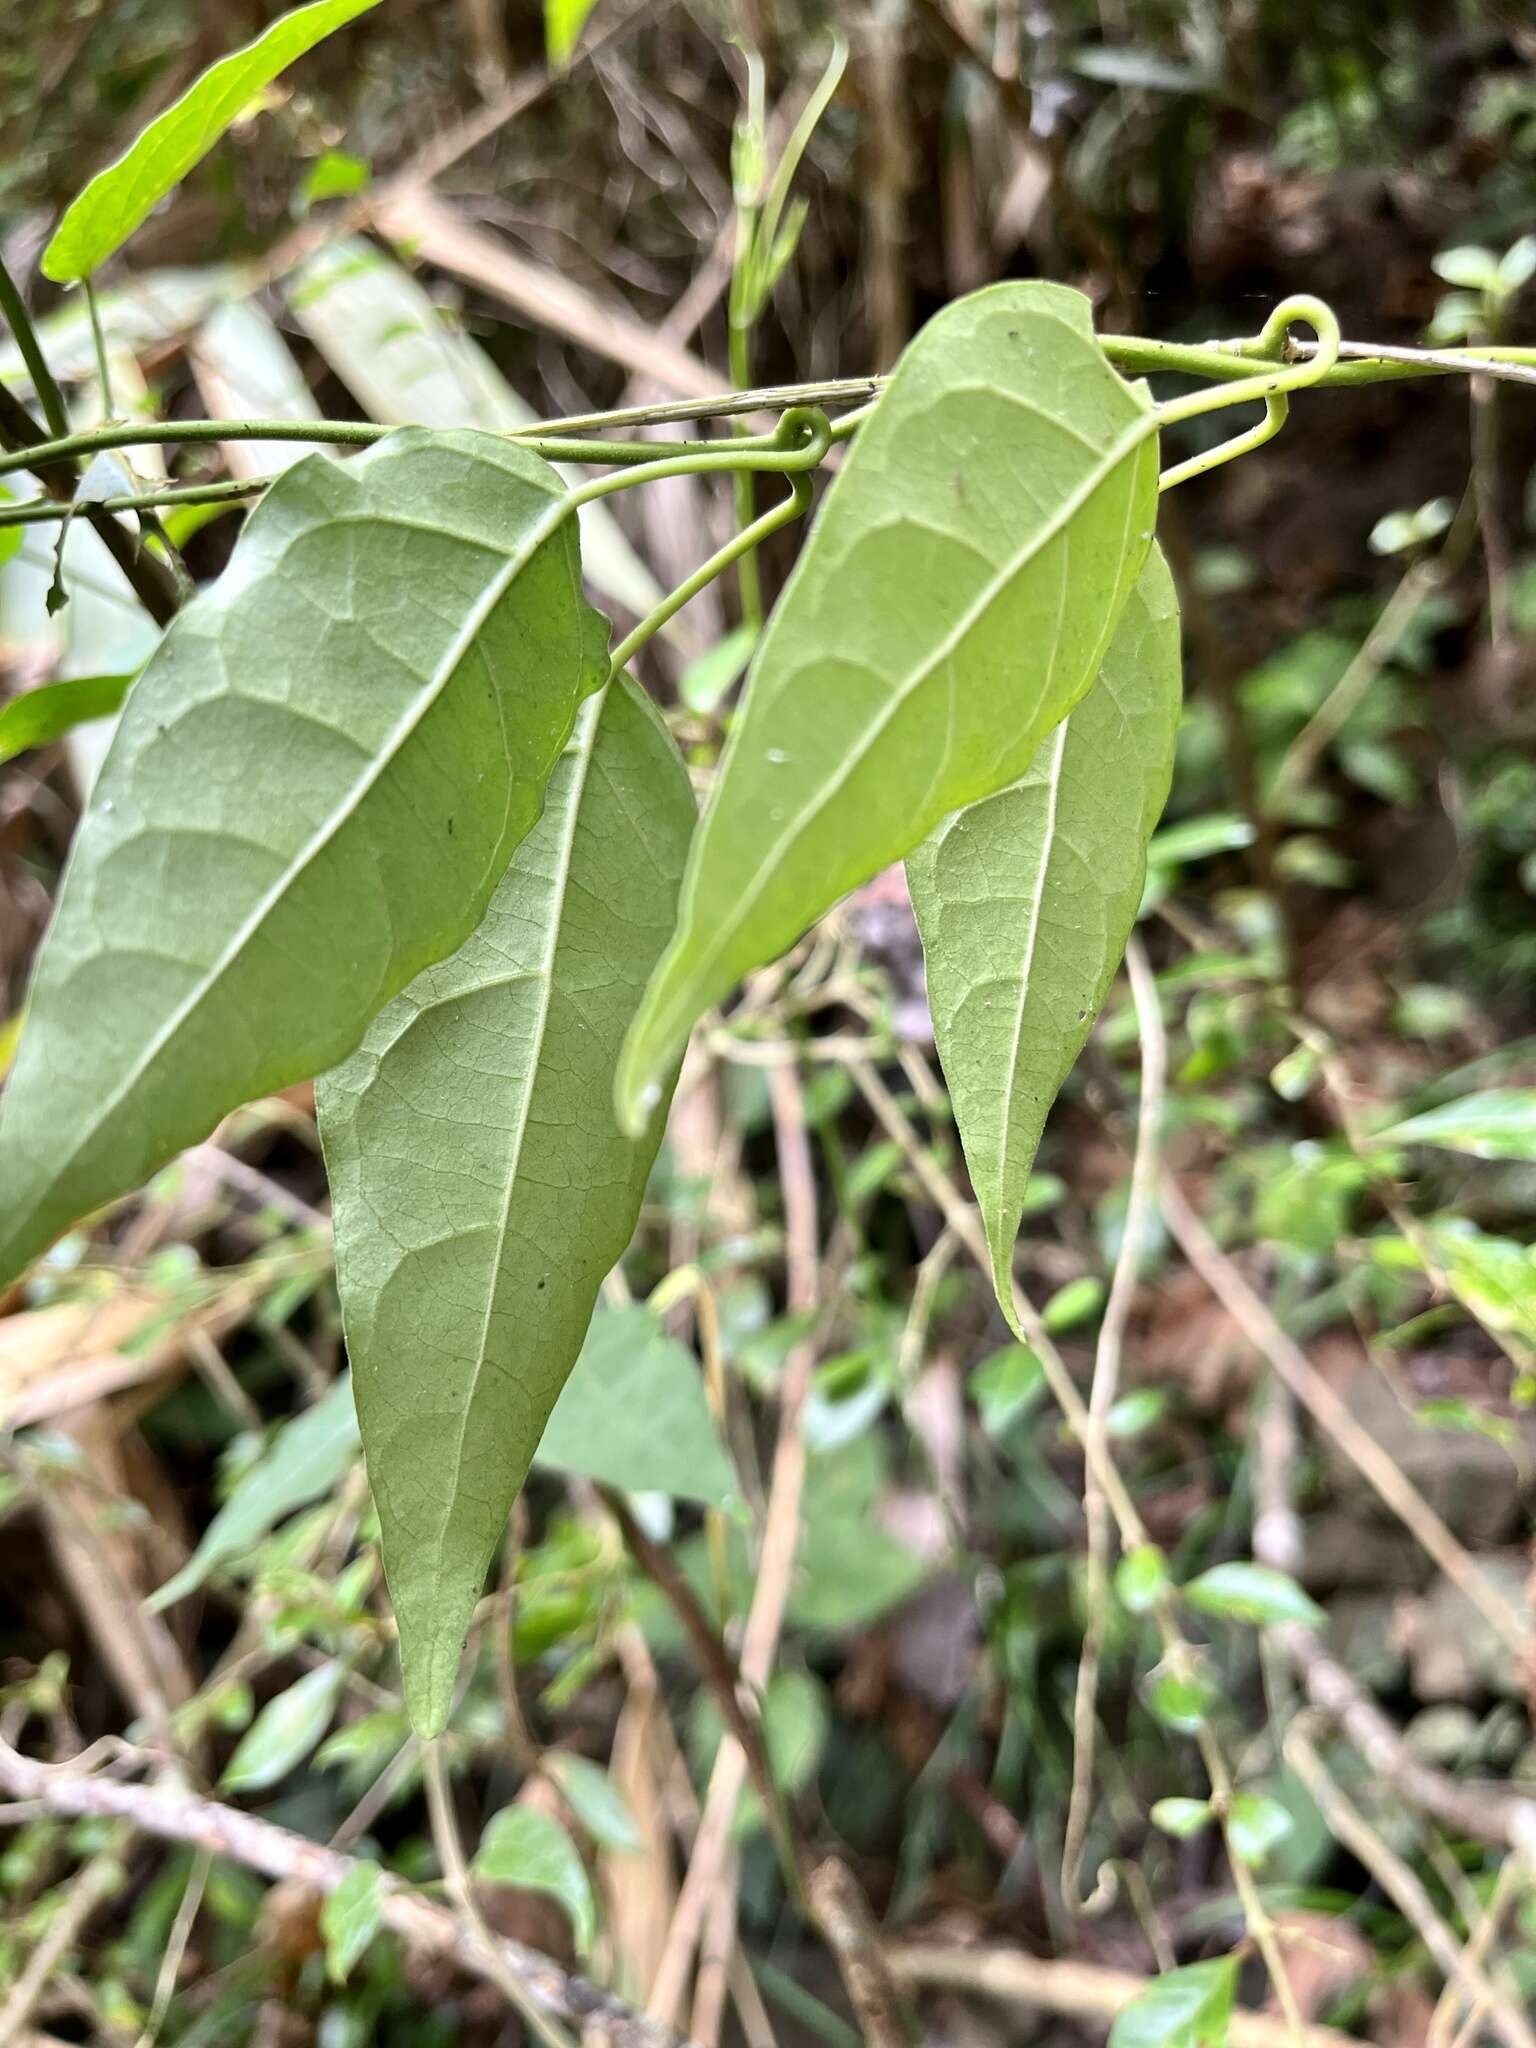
<point>121,197</point>
<point>1074,831</point>
<point>40,716</point>
<point>1000,497</point>
<point>295,816</point>
<point>507,1233</point>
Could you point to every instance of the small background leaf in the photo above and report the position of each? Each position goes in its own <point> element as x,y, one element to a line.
<point>531,1852</point>
<point>1188,2008</point>
<point>1500,1123</point>
<point>633,1414</point>
<point>285,1731</point>
<point>1254,1593</point>
<point>48,712</point>
<point>120,198</point>
<point>595,1800</point>
<point>350,1918</point>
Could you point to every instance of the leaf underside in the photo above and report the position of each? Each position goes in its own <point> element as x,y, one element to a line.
<point>316,784</point>
<point>1025,901</point>
<point>121,197</point>
<point>481,1186</point>
<point>953,601</point>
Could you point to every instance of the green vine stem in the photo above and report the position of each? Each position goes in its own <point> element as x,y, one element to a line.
<point>735,549</point>
<point>19,320</point>
<point>1274,389</point>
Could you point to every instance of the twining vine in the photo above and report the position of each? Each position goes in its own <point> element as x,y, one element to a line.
<point>384,808</point>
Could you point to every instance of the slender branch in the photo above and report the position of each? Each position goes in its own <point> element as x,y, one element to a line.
<point>177,1816</point>
<point>1406,1890</point>
<point>450,1854</point>
<point>719,1674</point>
<point>1258,1324</point>
<point>47,511</point>
<point>843,1914</point>
<point>1074,1989</point>
<point>14,312</point>
<point>1140,1214</point>
<point>92,1887</point>
<point>152,582</point>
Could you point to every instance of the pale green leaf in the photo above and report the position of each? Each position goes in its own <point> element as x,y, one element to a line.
<point>953,602</point>
<point>1256,1826</point>
<point>1024,903</point>
<point>531,1852</point>
<point>1141,1577</point>
<point>1188,2008</point>
<point>46,713</point>
<point>564,21</point>
<point>707,678</point>
<point>408,364</point>
<point>1181,1701</point>
<point>315,786</point>
<point>481,1186</point>
<point>350,1917</point>
<point>1182,1817</point>
<point>633,1414</point>
<point>1494,1277</point>
<point>1499,1123</point>
<point>595,1800</point>
<point>1254,1593</point>
<point>306,1458</point>
<point>285,1731</point>
<point>120,198</point>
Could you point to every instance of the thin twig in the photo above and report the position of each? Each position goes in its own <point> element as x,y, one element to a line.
<point>174,1815</point>
<point>776,1557</point>
<point>91,1887</point>
<point>1140,1215</point>
<point>1074,1989</point>
<point>1257,1321</point>
<point>450,1854</point>
<point>843,1914</point>
<point>1349,1827</point>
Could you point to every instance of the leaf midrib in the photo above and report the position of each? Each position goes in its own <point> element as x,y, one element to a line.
<point>319,840</point>
<point>545,974</point>
<point>1026,971</point>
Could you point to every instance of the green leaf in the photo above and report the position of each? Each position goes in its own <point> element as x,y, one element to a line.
<point>349,1919</point>
<point>707,678</point>
<point>531,1852</point>
<point>335,174</point>
<point>633,1413</point>
<point>480,1184</point>
<point>120,198</point>
<point>1007,1386</point>
<point>1182,1817</point>
<point>1140,1577</point>
<point>1256,1826</point>
<point>1025,902</point>
<point>1499,1123</point>
<point>1181,1702</point>
<point>306,1458</point>
<point>954,600</point>
<point>595,1800</point>
<point>315,786</point>
<point>285,1731</point>
<point>1494,1277</point>
<point>1188,2008</point>
<point>1255,1593</point>
<point>44,714</point>
<point>564,21</point>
